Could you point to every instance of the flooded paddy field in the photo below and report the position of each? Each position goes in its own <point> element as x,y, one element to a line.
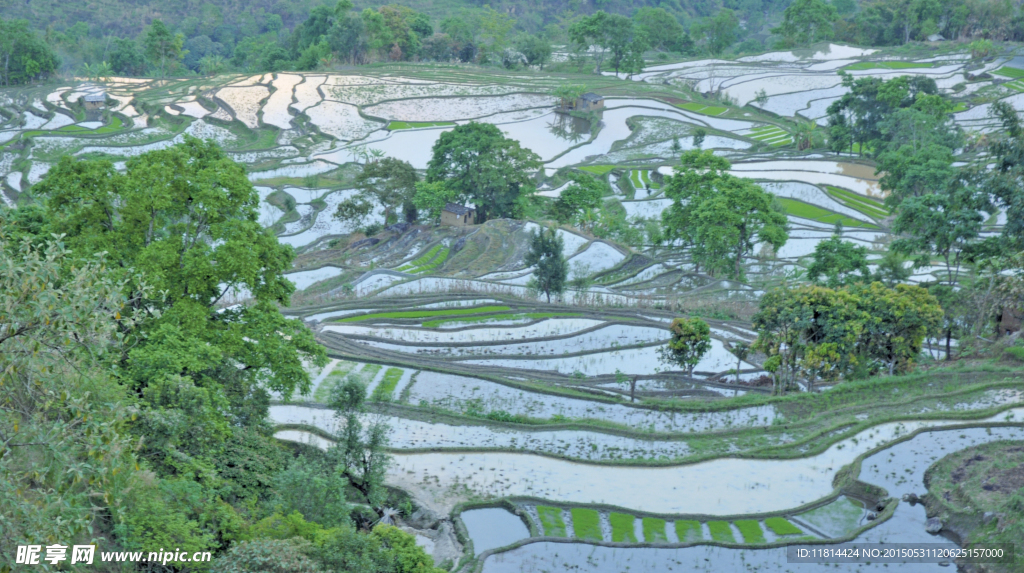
<point>556,435</point>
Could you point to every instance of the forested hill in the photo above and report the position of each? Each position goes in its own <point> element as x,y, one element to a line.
<point>247,17</point>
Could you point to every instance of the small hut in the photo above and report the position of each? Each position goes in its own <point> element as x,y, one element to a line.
<point>589,101</point>
<point>93,102</point>
<point>457,215</point>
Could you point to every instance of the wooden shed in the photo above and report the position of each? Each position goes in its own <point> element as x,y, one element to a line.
<point>589,101</point>
<point>94,101</point>
<point>457,215</point>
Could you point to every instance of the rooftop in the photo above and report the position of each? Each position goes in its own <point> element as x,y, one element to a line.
<point>591,96</point>
<point>457,209</point>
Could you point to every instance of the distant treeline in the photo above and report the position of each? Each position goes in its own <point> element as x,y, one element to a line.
<point>260,36</point>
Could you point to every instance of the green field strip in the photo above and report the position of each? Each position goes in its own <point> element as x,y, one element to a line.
<point>888,65</point>
<point>782,526</point>
<point>596,169</point>
<point>645,176</point>
<point>702,109</point>
<point>720,531</point>
<point>512,316</point>
<point>859,202</point>
<point>551,520</point>
<point>397,125</point>
<point>814,213</point>
<point>634,177</point>
<point>1009,72</point>
<point>423,259</point>
<point>424,313</point>
<point>654,530</point>
<point>623,528</point>
<point>1017,85</point>
<point>586,523</point>
<point>439,260</point>
<point>368,372</point>
<point>688,530</point>
<point>323,391</point>
<point>751,530</point>
<point>387,386</point>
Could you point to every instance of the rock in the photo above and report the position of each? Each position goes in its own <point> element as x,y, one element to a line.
<point>446,544</point>
<point>422,518</point>
<point>933,526</point>
<point>399,227</point>
<point>988,516</point>
<point>880,507</point>
<point>911,498</point>
<point>872,516</point>
<point>457,246</point>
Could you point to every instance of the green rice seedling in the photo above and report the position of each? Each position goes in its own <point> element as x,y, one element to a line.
<point>596,169</point>
<point>396,125</point>
<point>688,530</point>
<point>720,531</point>
<point>383,391</point>
<point>622,527</point>
<point>751,530</point>
<point>1010,72</point>
<point>815,213</point>
<point>587,523</point>
<point>551,520</point>
<point>782,526</point>
<point>654,530</point>
<point>888,65</point>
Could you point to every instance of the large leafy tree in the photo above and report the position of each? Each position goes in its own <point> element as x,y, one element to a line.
<point>662,29</point>
<point>896,321</point>
<point>807,21</point>
<point>389,183</point>
<point>691,340</point>
<point>837,262</point>
<point>545,254</point>
<point>186,218</point>
<point>481,165</point>
<point>24,56</point>
<point>1004,182</point>
<point>163,48</point>
<point>720,216</point>
<point>719,31</point>
<point>360,452</point>
<point>126,58</point>
<point>856,118</point>
<point>579,199</point>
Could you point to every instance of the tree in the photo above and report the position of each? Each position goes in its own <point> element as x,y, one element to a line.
<point>837,260</point>
<point>719,215</point>
<point>741,350</point>
<point>388,182</point>
<point>66,462</point>
<point>691,340</point>
<point>126,58</point>
<point>24,56</point>
<point>545,254</point>
<point>536,49</point>
<point>567,94</point>
<point>431,198</point>
<point>813,330</point>
<point>314,489</point>
<point>945,223</point>
<point>807,21</point>
<point>186,218</point>
<point>579,198</point>
<point>1003,182</point>
<point>360,455</point>
<point>662,29</point>
<point>592,31</point>
<point>268,555</point>
<point>892,269</point>
<point>896,321</point>
<point>718,32</point>
<point>163,47</point>
<point>478,162</point>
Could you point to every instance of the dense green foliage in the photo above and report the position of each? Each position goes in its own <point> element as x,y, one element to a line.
<point>720,216</point>
<point>135,402</point>
<point>387,182</point>
<point>691,340</point>
<point>475,162</point>
<point>24,56</point>
<point>546,256</point>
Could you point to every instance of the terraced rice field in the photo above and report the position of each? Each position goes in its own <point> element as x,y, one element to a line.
<point>527,420</point>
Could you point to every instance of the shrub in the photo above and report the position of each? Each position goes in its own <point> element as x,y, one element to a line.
<point>266,556</point>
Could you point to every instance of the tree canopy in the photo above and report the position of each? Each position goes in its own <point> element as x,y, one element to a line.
<point>720,216</point>
<point>479,164</point>
<point>23,54</point>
